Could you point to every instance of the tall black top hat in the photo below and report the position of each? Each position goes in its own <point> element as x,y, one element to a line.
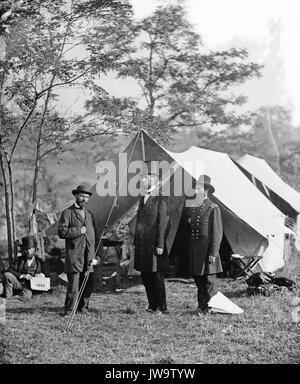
<point>29,242</point>
<point>83,188</point>
<point>150,168</point>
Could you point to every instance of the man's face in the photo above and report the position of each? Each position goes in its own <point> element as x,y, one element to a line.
<point>201,192</point>
<point>82,199</point>
<point>147,181</point>
<point>29,253</point>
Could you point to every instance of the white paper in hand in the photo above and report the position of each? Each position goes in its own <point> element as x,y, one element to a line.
<point>40,283</point>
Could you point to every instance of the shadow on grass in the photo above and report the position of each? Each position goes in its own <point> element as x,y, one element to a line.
<point>35,309</point>
<point>59,311</point>
<point>235,294</point>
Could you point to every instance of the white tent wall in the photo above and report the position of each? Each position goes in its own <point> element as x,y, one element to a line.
<point>274,256</point>
<point>243,239</point>
<point>297,243</point>
<point>250,207</point>
<point>261,170</point>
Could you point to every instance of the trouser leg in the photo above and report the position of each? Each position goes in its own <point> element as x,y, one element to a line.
<point>72,291</point>
<point>147,279</point>
<point>26,293</point>
<point>160,290</point>
<point>212,285</point>
<point>87,292</point>
<point>207,288</point>
<point>11,284</point>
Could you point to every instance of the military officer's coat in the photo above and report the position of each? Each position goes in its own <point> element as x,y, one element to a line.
<point>205,227</point>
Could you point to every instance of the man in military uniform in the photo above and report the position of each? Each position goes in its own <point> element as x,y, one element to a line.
<point>17,278</point>
<point>151,257</point>
<point>77,226</point>
<point>205,227</point>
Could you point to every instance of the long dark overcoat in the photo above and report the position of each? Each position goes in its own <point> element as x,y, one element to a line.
<point>206,232</point>
<point>78,247</point>
<point>151,231</point>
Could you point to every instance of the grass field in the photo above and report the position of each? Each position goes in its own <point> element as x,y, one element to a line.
<point>118,330</point>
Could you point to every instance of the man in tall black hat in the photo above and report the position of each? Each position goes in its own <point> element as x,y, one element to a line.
<point>205,227</point>
<point>18,275</point>
<point>78,227</point>
<point>151,257</point>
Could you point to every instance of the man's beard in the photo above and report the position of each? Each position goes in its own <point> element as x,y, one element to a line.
<point>81,204</point>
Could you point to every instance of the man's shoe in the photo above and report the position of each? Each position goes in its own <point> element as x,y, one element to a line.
<point>150,310</point>
<point>205,311</point>
<point>164,312</point>
<point>66,314</point>
<point>83,310</point>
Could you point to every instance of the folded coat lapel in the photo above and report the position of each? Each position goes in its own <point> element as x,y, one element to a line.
<point>147,205</point>
<point>78,215</point>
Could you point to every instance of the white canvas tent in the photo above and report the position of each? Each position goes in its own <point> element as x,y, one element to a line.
<point>252,225</point>
<point>282,195</point>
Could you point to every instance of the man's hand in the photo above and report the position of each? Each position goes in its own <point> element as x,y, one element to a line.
<point>94,262</point>
<point>83,230</point>
<point>40,275</point>
<point>211,259</point>
<point>159,251</point>
<point>26,277</point>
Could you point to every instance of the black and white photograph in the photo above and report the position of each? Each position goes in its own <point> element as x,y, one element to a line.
<point>150,185</point>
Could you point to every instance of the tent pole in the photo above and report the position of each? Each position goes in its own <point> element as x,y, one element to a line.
<point>143,145</point>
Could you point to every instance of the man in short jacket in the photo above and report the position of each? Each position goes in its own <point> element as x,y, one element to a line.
<point>77,226</point>
<point>205,226</point>
<point>19,273</point>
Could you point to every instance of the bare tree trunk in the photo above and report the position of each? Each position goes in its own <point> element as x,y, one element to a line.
<point>12,200</point>
<point>38,146</point>
<point>40,135</point>
<point>273,140</point>
<point>296,167</point>
<point>10,241</point>
<point>10,244</point>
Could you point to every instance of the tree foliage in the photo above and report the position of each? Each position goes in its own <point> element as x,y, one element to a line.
<point>182,83</point>
<point>271,136</point>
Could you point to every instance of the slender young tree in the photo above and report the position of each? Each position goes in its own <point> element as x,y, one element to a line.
<point>50,45</point>
<point>182,83</point>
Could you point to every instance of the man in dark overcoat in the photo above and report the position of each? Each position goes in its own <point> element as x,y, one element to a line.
<point>205,227</point>
<point>77,226</point>
<point>18,275</point>
<point>151,256</point>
